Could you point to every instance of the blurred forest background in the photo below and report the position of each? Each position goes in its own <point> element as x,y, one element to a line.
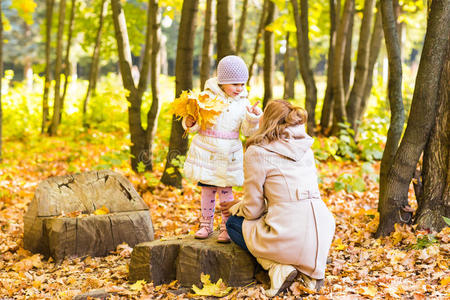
<point>88,84</point>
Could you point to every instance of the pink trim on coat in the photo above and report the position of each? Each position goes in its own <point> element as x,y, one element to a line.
<point>231,135</point>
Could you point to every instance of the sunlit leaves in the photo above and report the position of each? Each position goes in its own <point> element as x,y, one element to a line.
<point>25,9</point>
<point>218,289</point>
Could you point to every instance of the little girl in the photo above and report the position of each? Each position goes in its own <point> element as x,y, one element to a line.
<point>215,157</point>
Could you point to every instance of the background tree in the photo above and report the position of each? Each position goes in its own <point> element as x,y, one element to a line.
<point>259,33</point>
<point>304,60</point>
<point>207,46</point>
<point>1,76</point>
<point>393,202</point>
<point>95,61</point>
<point>269,54</point>
<point>140,138</point>
<point>240,35</point>
<point>184,68</point>
<point>225,28</point>
<point>290,70</point>
<point>49,4</point>
<point>57,105</point>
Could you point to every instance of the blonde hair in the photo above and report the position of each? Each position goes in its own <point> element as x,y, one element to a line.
<point>278,115</point>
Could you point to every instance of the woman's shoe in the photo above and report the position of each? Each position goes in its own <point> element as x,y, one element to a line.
<point>281,278</point>
<point>206,228</point>
<point>311,283</point>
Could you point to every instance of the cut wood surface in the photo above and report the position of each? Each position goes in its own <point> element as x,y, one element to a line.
<point>52,228</point>
<point>184,258</point>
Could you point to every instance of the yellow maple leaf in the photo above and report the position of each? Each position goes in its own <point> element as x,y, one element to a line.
<point>101,211</point>
<point>370,291</point>
<point>338,244</point>
<point>445,281</point>
<point>138,285</point>
<point>218,289</point>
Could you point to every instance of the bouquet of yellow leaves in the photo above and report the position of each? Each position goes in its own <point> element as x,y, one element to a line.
<point>199,106</point>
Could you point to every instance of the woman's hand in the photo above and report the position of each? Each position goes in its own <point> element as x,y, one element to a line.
<point>190,121</point>
<point>252,109</point>
<point>225,207</point>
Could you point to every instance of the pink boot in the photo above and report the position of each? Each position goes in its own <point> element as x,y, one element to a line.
<point>206,228</point>
<point>223,234</point>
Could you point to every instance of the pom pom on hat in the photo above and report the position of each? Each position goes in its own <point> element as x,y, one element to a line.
<point>232,69</point>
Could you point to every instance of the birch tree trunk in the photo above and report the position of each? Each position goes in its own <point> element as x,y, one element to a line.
<point>95,62</point>
<point>183,72</point>
<point>207,46</point>
<point>393,202</point>
<point>49,4</point>
<point>269,56</point>
<point>225,28</point>
<point>53,128</point>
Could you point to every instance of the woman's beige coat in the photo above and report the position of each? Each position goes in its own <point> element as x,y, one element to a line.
<point>285,219</point>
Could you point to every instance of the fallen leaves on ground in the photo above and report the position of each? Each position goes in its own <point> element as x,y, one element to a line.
<point>409,263</point>
<point>218,289</point>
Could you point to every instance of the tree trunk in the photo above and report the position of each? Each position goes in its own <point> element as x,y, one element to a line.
<point>152,116</point>
<point>375,46</point>
<point>394,91</point>
<point>95,62</point>
<point>434,202</point>
<point>52,130</point>
<point>347,67</point>
<point>240,36</point>
<point>269,56</point>
<point>47,82</point>
<point>67,65</point>
<point>184,68</point>
<point>362,65</point>
<point>207,49</point>
<point>259,33</point>
<point>304,60</point>
<point>290,71</point>
<point>140,152</point>
<point>339,114</point>
<point>1,76</point>
<point>327,108</point>
<point>421,119</point>
<point>225,28</point>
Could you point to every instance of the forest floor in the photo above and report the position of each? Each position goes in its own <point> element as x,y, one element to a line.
<point>408,264</point>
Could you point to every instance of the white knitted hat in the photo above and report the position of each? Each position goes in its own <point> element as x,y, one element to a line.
<point>232,69</point>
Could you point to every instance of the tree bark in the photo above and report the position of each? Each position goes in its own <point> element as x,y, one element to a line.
<point>347,67</point>
<point>240,36</point>
<point>225,28</point>
<point>394,91</point>
<point>183,72</point>
<point>259,33</point>
<point>269,56</point>
<point>421,119</point>
<point>49,4</point>
<point>140,148</point>
<point>152,116</point>
<point>375,46</point>
<point>290,71</point>
<point>434,202</point>
<point>1,76</point>
<point>362,65</point>
<point>67,65</point>
<point>53,128</point>
<point>327,108</point>
<point>304,60</point>
<point>207,49</point>
<point>339,114</point>
<point>95,62</point>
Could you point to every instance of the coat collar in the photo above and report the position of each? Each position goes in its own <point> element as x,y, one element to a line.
<point>294,146</point>
<point>212,85</point>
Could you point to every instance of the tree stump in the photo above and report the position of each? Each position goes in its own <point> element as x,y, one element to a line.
<point>60,221</point>
<point>184,258</point>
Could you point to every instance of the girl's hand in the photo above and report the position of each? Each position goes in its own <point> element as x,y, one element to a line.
<point>253,110</point>
<point>225,207</point>
<point>190,121</point>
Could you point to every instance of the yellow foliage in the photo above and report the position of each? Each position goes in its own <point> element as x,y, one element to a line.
<point>199,106</point>
<point>101,211</point>
<point>218,289</point>
<point>138,285</point>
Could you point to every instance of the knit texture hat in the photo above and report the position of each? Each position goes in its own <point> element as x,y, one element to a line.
<point>232,69</point>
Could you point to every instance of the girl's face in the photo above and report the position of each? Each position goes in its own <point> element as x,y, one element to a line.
<point>232,90</point>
